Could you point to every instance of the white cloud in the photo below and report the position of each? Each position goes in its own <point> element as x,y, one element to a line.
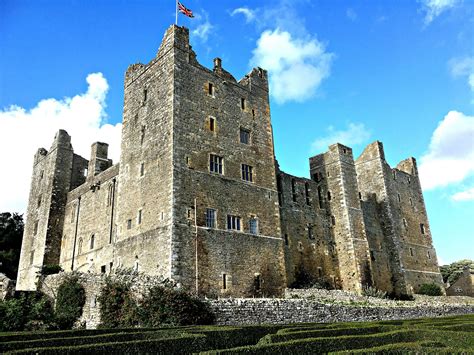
<point>467,195</point>
<point>204,28</point>
<point>23,131</point>
<point>434,8</point>
<point>351,14</point>
<point>463,67</point>
<point>296,66</point>
<point>450,157</point>
<point>355,133</point>
<point>248,13</point>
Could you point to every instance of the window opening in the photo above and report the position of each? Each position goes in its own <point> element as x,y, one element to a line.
<point>215,164</point>
<point>253,225</point>
<point>212,124</point>
<point>233,222</point>
<point>244,136</point>
<point>142,169</point>
<point>306,191</point>
<point>293,189</point>
<point>247,173</point>
<point>139,219</point>
<point>242,103</point>
<point>224,281</point>
<point>92,241</point>
<point>422,228</point>
<point>210,89</point>
<point>129,224</point>
<point>210,218</point>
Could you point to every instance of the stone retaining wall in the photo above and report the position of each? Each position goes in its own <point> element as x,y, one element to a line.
<point>281,311</point>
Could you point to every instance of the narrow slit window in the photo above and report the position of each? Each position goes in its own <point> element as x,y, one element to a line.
<point>102,269</point>
<point>411,251</point>
<point>210,89</point>
<point>212,124</point>
<point>306,191</point>
<point>422,228</point>
<point>145,95</point>
<point>142,135</point>
<point>258,282</point>
<point>287,241</point>
<point>39,202</point>
<point>242,103</point>
<point>333,220</point>
<point>142,169</point>
<point>293,189</point>
<point>139,217</point>
<point>253,113</point>
<point>129,224</point>
<point>224,281</point>
<point>35,229</point>
<point>329,196</point>
<point>92,241</point>
<point>360,196</point>
<point>399,198</point>
<point>428,254</point>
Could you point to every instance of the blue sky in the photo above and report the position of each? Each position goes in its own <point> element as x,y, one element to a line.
<point>401,72</point>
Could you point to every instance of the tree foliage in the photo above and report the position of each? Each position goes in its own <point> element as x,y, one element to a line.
<point>118,308</point>
<point>452,272</point>
<point>69,302</point>
<point>11,233</point>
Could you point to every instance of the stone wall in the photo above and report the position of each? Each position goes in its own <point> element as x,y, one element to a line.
<point>284,311</point>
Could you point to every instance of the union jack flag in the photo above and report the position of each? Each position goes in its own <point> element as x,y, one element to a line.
<point>185,10</point>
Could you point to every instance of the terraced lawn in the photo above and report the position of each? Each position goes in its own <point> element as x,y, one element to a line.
<point>434,335</point>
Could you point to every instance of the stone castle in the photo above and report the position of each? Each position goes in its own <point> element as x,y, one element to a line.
<point>199,198</point>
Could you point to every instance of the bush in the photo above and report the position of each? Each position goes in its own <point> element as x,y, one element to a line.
<point>117,306</point>
<point>373,292</point>
<point>27,311</point>
<point>165,305</point>
<point>431,289</point>
<point>69,303</point>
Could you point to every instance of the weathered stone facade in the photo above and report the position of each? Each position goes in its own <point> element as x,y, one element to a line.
<point>199,198</point>
<point>464,285</point>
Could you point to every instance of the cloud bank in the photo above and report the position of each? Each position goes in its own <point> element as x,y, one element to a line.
<point>296,66</point>
<point>355,133</point>
<point>434,8</point>
<point>450,157</point>
<point>23,131</point>
<point>463,67</point>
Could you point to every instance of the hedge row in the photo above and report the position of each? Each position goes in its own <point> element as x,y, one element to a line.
<point>82,340</point>
<point>279,338</point>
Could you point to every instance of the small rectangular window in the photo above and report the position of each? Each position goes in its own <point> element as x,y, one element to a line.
<point>329,195</point>
<point>145,95</point>
<point>253,225</point>
<point>224,281</point>
<point>422,228</point>
<point>244,136</point>
<point>287,240</point>
<point>333,220</point>
<point>242,103</point>
<point>215,164</point>
<point>102,269</point>
<point>399,198</point>
<point>212,124</point>
<point>92,241</point>
<point>35,228</point>
<point>39,202</point>
<point>85,171</point>
<point>210,89</point>
<point>429,254</point>
<point>41,174</point>
<point>233,223</point>
<point>253,113</point>
<point>129,224</point>
<point>411,251</point>
<point>142,169</point>
<point>142,136</point>
<point>210,218</point>
<point>247,173</point>
<point>257,282</point>
<point>139,218</point>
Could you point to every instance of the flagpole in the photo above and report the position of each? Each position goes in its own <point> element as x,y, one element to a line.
<point>176,21</point>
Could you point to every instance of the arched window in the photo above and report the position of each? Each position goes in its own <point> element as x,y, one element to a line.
<point>79,248</point>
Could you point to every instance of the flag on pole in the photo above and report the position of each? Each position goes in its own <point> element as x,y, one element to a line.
<point>185,10</point>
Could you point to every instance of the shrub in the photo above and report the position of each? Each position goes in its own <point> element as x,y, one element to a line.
<point>431,289</point>
<point>69,303</point>
<point>165,305</point>
<point>26,311</point>
<point>373,292</point>
<point>117,305</point>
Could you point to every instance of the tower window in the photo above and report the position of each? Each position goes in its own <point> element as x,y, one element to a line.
<point>360,195</point>
<point>215,164</point>
<point>306,191</point>
<point>139,217</point>
<point>253,113</point>
<point>41,174</point>
<point>129,224</point>
<point>233,222</point>
<point>422,228</point>
<point>372,255</point>
<point>242,103</point>
<point>102,269</point>
<point>244,136</point>
<point>329,195</point>
<point>35,228</point>
<point>210,89</point>
<point>399,198</point>
<point>310,232</point>
<point>142,136</point>
<point>411,251</point>
<point>32,256</point>
<point>287,241</point>
<point>333,220</point>
<point>247,173</point>
<point>411,202</point>
<point>429,254</point>
<point>224,281</point>
<point>142,169</point>
<point>253,225</point>
<point>257,282</point>
<point>293,189</point>
<point>212,124</point>
<point>210,218</point>
<point>320,197</point>
<point>92,241</point>
<point>38,204</point>
<point>145,95</point>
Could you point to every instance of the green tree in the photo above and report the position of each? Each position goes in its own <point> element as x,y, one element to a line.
<point>69,303</point>
<point>452,271</point>
<point>11,233</point>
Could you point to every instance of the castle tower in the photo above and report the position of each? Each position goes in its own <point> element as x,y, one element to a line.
<point>336,174</point>
<point>401,247</point>
<point>50,183</point>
